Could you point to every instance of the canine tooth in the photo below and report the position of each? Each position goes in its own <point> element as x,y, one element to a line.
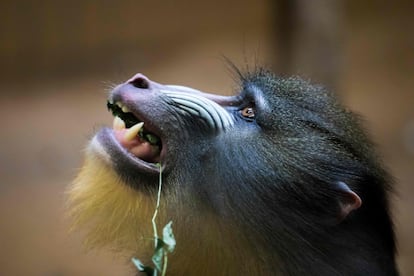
<point>125,109</point>
<point>132,132</point>
<point>119,104</point>
<point>118,123</point>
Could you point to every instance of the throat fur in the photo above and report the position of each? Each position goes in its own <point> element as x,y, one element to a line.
<point>111,213</point>
<point>117,217</point>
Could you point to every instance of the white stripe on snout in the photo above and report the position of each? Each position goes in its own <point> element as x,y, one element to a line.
<point>211,112</point>
<point>199,104</point>
<point>214,114</point>
<point>188,105</point>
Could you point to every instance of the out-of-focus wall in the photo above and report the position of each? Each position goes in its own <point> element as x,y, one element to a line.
<point>57,59</point>
<point>71,38</point>
<point>378,83</point>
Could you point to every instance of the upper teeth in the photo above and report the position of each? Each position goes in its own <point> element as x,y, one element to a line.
<point>118,123</point>
<point>123,107</point>
<point>132,132</point>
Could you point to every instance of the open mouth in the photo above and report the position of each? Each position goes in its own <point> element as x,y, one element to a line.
<point>131,133</point>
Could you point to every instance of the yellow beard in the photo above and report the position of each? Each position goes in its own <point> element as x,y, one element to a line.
<point>117,216</point>
<point>113,213</point>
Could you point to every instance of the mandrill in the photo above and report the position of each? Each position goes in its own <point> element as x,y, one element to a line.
<point>278,179</point>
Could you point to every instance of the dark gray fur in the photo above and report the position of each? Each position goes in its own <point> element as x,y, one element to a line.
<point>276,177</point>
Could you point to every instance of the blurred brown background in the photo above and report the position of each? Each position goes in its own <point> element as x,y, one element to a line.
<point>59,57</point>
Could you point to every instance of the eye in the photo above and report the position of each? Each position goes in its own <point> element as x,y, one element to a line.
<point>248,112</point>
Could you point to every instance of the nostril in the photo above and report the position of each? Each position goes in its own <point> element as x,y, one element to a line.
<point>140,82</point>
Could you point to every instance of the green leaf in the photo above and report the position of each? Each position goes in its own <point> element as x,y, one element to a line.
<point>168,237</point>
<point>157,258</point>
<point>141,267</point>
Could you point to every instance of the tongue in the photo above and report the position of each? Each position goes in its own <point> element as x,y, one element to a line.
<point>139,148</point>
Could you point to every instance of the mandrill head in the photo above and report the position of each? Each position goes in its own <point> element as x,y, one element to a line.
<point>277,179</point>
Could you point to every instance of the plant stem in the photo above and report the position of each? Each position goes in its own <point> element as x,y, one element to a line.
<point>164,267</point>
<point>154,225</point>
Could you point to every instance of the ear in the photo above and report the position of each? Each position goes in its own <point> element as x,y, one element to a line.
<point>348,200</point>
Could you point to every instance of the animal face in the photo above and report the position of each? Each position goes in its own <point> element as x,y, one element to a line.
<point>278,166</point>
